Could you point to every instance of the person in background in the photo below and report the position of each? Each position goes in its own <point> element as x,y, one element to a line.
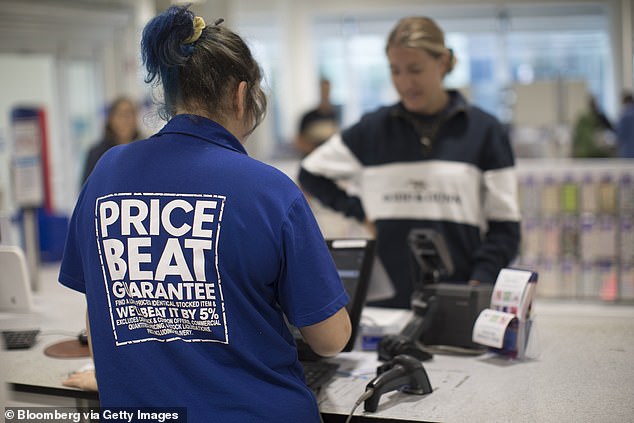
<point>319,124</point>
<point>593,133</point>
<point>121,127</point>
<point>432,160</point>
<point>625,127</point>
<point>192,255</point>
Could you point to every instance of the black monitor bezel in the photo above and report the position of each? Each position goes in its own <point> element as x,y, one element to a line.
<point>359,299</point>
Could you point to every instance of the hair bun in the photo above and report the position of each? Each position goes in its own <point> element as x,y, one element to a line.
<point>162,41</point>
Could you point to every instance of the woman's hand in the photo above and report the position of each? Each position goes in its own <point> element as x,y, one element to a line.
<point>85,380</point>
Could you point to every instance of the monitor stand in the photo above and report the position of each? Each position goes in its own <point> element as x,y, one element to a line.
<point>406,341</point>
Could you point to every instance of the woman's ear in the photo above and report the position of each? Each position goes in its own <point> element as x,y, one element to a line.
<point>241,99</point>
<point>445,62</point>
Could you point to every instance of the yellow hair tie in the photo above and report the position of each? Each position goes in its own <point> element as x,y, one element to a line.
<point>199,25</point>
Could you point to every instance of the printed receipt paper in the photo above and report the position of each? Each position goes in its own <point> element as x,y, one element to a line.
<point>510,300</point>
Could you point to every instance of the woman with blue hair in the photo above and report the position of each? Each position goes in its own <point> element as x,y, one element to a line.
<point>191,253</point>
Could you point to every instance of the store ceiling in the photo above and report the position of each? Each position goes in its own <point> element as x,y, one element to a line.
<point>37,26</point>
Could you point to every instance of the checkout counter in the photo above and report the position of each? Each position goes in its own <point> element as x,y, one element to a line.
<point>584,371</point>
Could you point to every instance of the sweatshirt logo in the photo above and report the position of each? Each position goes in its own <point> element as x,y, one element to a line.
<point>417,185</point>
<point>415,191</point>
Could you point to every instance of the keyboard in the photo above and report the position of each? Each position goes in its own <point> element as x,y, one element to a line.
<point>318,373</point>
<point>19,339</point>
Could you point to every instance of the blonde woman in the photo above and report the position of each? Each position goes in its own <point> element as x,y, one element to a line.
<point>432,160</point>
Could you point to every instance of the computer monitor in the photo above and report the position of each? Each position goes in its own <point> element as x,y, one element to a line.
<point>353,259</point>
<point>15,291</point>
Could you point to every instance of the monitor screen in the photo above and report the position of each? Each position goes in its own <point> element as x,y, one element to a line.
<point>353,259</point>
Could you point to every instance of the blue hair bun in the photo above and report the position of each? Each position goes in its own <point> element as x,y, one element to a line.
<point>162,45</point>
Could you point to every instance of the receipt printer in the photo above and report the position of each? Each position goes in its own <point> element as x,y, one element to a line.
<point>458,307</point>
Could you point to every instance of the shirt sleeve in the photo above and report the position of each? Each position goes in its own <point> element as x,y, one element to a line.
<point>320,170</point>
<point>333,160</point>
<point>310,289</point>
<point>501,210</point>
<point>71,272</point>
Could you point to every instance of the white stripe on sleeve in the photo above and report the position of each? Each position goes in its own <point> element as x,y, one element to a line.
<point>333,160</point>
<point>501,196</point>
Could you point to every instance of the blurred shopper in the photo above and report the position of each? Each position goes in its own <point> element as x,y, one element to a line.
<point>432,160</point>
<point>593,135</point>
<point>625,127</point>
<point>121,127</point>
<point>319,124</point>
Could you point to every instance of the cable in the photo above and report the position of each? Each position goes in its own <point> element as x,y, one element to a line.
<point>58,332</point>
<point>367,394</point>
<point>452,350</point>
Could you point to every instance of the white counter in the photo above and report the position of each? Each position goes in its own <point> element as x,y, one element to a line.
<point>585,371</point>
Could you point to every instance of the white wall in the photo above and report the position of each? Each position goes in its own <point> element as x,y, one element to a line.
<point>294,18</point>
<point>27,80</point>
<point>43,45</point>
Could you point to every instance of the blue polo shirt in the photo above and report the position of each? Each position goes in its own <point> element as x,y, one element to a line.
<point>190,253</point>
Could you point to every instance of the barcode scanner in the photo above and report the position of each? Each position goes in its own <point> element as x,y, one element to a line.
<point>394,345</point>
<point>404,373</point>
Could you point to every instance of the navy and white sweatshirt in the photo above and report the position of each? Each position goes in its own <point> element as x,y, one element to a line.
<point>453,172</point>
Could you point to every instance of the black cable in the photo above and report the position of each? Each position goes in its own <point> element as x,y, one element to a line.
<point>367,394</point>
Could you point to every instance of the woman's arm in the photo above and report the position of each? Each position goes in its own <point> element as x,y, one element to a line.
<point>320,170</point>
<point>328,337</point>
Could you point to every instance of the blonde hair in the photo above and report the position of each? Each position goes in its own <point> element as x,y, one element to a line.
<point>422,33</point>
